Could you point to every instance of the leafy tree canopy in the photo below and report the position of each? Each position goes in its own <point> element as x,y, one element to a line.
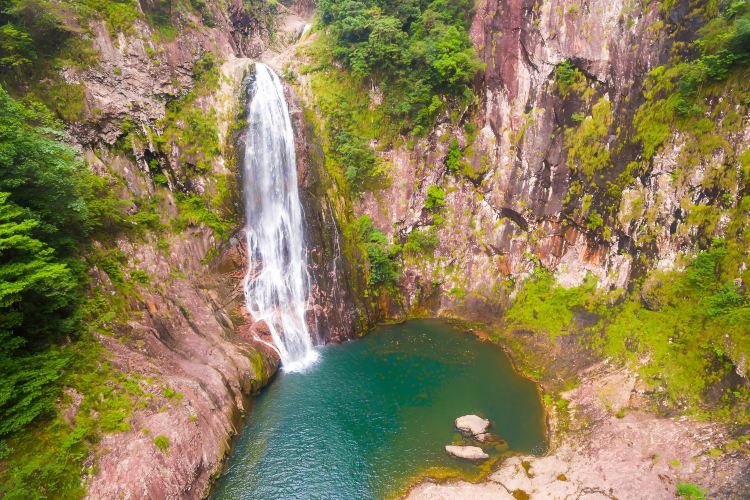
<point>418,50</point>
<point>43,220</point>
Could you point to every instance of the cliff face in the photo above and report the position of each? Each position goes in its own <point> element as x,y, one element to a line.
<point>182,331</point>
<point>559,168</point>
<point>334,315</point>
<point>524,194</point>
<point>548,175</point>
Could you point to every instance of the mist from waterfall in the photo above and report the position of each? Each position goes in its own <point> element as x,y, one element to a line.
<point>277,283</point>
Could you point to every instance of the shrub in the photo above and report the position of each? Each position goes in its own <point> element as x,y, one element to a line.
<point>595,221</point>
<point>435,198</point>
<point>453,158</point>
<point>420,53</point>
<point>569,78</point>
<point>543,306</point>
<point>724,44</point>
<point>381,255</point>
<point>162,442</point>
<point>422,241</point>
<point>587,144</point>
<point>690,491</point>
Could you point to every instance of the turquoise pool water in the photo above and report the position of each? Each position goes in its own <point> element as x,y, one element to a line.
<point>375,413</point>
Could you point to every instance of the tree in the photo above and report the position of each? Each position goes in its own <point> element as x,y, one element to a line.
<point>419,52</point>
<point>16,48</point>
<point>43,222</point>
<point>36,291</point>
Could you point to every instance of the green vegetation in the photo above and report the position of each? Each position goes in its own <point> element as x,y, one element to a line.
<point>435,198</point>
<point>681,330</point>
<point>569,79</point>
<point>187,125</point>
<point>690,491</point>
<point>724,44</point>
<point>587,144</point>
<point>50,208</point>
<point>421,241</point>
<point>162,442</point>
<point>36,40</point>
<point>351,124</point>
<point>43,217</point>
<point>381,255</point>
<point>195,210</point>
<point>45,459</point>
<point>362,168</point>
<point>674,93</point>
<point>454,157</point>
<point>419,53</point>
<point>542,306</point>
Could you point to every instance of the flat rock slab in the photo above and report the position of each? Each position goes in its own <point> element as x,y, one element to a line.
<point>473,453</point>
<point>472,425</point>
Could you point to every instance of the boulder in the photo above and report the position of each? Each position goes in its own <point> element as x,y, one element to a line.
<point>473,425</point>
<point>473,453</point>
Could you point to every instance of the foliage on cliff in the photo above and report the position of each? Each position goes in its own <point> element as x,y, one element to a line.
<point>419,52</point>
<point>685,332</point>
<point>381,255</point>
<point>44,216</point>
<point>50,207</point>
<point>404,66</point>
<point>724,45</point>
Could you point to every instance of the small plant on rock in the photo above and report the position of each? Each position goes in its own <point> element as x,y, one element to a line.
<point>162,442</point>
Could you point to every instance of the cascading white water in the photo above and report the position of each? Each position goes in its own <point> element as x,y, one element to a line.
<point>277,282</point>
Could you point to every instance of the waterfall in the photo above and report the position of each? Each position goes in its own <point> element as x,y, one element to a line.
<point>277,282</point>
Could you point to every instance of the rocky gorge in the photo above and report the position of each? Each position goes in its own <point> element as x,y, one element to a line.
<point>551,166</point>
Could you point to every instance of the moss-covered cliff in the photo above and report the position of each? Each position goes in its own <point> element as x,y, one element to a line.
<point>587,198</point>
<point>156,373</point>
<point>572,174</point>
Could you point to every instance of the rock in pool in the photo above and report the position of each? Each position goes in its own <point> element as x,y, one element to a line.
<point>473,425</point>
<point>473,453</point>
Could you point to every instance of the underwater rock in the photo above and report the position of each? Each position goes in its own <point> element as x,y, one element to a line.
<point>473,453</point>
<point>485,436</point>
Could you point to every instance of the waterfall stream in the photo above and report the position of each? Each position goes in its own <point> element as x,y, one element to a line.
<point>277,282</point>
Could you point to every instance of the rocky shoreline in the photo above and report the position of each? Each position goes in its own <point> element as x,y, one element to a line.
<point>612,447</point>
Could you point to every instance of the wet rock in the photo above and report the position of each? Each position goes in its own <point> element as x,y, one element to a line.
<point>638,455</point>
<point>473,426</point>
<point>485,436</point>
<point>473,453</point>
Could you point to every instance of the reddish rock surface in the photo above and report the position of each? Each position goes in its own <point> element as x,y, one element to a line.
<point>612,450</point>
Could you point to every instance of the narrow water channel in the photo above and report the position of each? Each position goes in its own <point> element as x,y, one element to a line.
<point>373,414</point>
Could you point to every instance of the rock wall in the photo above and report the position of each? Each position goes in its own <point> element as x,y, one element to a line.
<point>631,456</point>
<point>518,202</point>
<point>335,313</point>
<point>185,335</point>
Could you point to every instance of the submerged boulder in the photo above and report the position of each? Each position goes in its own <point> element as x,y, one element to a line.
<point>474,426</point>
<point>473,453</point>
<point>485,436</point>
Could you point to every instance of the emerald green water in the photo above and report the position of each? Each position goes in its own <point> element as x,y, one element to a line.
<point>374,413</point>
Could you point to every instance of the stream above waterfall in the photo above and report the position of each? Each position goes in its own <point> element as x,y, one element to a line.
<point>375,413</point>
